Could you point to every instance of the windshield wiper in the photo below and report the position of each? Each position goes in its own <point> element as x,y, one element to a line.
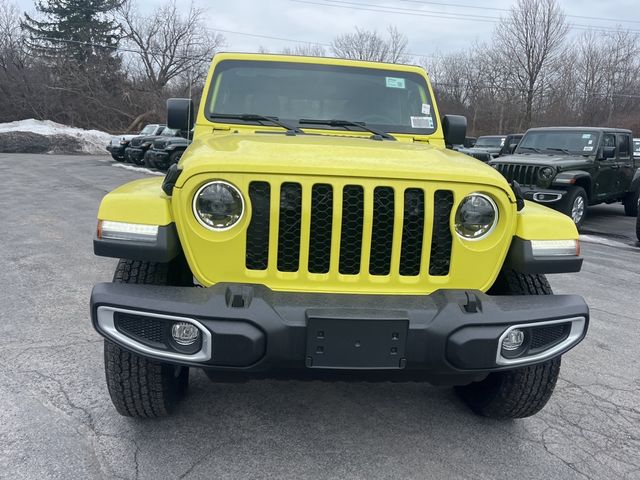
<point>254,117</point>
<point>563,150</point>
<point>530,148</point>
<point>348,123</point>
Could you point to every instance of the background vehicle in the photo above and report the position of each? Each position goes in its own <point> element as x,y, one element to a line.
<point>119,143</point>
<point>489,148</point>
<point>334,237</point>
<point>636,147</point>
<point>165,152</point>
<point>139,145</point>
<point>569,168</point>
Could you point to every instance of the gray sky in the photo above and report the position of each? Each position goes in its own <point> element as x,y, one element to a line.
<point>318,21</point>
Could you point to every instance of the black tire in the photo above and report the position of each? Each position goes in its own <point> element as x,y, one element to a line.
<point>140,387</point>
<point>175,157</point>
<point>630,203</point>
<point>638,227</point>
<point>574,202</point>
<point>116,157</point>
<point>524,391</point>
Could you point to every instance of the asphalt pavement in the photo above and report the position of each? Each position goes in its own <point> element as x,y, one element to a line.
<point>57,421</point>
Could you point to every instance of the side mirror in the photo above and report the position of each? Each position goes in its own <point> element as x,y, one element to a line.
<point>180,113</point>
<point>512,147</point>
<point>607,152</point>
<point>455,129</point>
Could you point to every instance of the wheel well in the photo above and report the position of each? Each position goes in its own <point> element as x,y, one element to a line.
<point>584,182</point>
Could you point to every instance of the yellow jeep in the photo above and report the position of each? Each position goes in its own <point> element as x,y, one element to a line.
<point>318,226</point>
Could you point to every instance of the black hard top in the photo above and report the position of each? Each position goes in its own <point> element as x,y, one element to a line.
<point>582,129</point>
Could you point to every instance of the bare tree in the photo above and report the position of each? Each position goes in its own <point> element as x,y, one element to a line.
<point>170,43</point>
<point>527,43</point>
<point>369,45</point>
<point>305,49</point>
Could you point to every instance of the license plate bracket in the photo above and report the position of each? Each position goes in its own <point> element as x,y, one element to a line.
<point>348,343</point>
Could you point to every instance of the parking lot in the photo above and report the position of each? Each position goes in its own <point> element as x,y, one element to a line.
<point>57,421</point>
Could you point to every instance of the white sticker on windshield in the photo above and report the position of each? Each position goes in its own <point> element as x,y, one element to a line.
<point>586,135</point>
<point>587,149</point>
<point>426,109</point>
<point>395,82</point>
<point>421,122</point>
<point>590,142</point>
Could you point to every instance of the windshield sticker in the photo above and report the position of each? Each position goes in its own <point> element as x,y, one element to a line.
<point>426,109</point>
<point>587,149</point>
<point>590,142</point>
<point>421,122</point>
<point>502,142</point>
<point>586,135</point>
<point>394,82</point>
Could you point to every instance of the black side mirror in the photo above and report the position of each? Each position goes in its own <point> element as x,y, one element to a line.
<point>455,129</point>
<point>607,152</point>
<point>180,113</point>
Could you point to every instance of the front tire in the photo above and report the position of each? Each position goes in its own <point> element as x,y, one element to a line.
<point>638,227</point>
<point>524,391</point>
<point>574,205</point>
<point>140,387</point>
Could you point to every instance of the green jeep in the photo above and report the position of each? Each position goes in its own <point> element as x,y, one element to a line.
<point>569,168</point>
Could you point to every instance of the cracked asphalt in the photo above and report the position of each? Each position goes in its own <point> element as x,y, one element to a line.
<point>56,419</point>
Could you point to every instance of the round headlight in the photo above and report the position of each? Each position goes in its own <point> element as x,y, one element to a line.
<point>546,173</point>
<point>218,205</point>
<point>476,217</point>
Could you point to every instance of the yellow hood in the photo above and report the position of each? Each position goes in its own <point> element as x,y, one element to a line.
<point>333,155</point>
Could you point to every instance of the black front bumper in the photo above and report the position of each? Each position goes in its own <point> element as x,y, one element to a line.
<point>116,150</point>
<point>250,328</point>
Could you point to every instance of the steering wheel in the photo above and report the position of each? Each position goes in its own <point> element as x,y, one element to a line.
<point>378,119</point>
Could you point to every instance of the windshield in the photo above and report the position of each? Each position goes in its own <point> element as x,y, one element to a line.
<point>636,147</point>
<point>170,132</point>
<point>573,142</point>
<point>148,130</point>
<point>490,142</point>
<point>392,101</point>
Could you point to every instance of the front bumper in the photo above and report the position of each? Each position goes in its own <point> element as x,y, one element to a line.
<point>159,158</point>
<point>117,150</point>
<point>250,328</point>
<point>545,196</point>
<point>135,154</point>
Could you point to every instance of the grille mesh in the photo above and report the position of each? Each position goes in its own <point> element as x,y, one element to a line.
<point>257,254</point>
<point>351,232</point>
<point>289,228</point>
<point>321,224</point>
<point>349,245</point>
<point>544,337</point>
<point>441,239</point>
<point>382,233</point>
<point>412,232</point>
<point>140,327</point>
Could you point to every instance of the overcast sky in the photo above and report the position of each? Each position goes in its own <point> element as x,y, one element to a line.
<point>318,21</point>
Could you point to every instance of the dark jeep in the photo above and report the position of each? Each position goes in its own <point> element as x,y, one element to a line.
<point>569,168</point>
<point>166,151</point>
<point>489,147</point>
<point>140,145</point>
<point>119,143</point>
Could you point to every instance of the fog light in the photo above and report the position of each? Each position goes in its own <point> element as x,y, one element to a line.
<point>513,340</point>
<point>184,333</point>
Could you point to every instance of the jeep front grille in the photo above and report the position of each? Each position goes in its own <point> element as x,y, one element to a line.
<point>523,174</point>
<point>352,229</point>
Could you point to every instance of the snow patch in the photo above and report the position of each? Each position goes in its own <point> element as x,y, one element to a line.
<point>138,169</point>
<point>91,141</point>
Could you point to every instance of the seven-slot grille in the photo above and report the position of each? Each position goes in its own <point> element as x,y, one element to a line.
<point>523,174</point>
<point>364,247</point>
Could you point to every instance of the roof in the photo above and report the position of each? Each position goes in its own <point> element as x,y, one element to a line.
<point>582,129</point>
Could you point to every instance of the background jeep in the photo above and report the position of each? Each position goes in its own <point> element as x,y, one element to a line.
<point>308,231</point>
<point>119,143</point>
<point>569,168</point>
<point>165,152</point>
